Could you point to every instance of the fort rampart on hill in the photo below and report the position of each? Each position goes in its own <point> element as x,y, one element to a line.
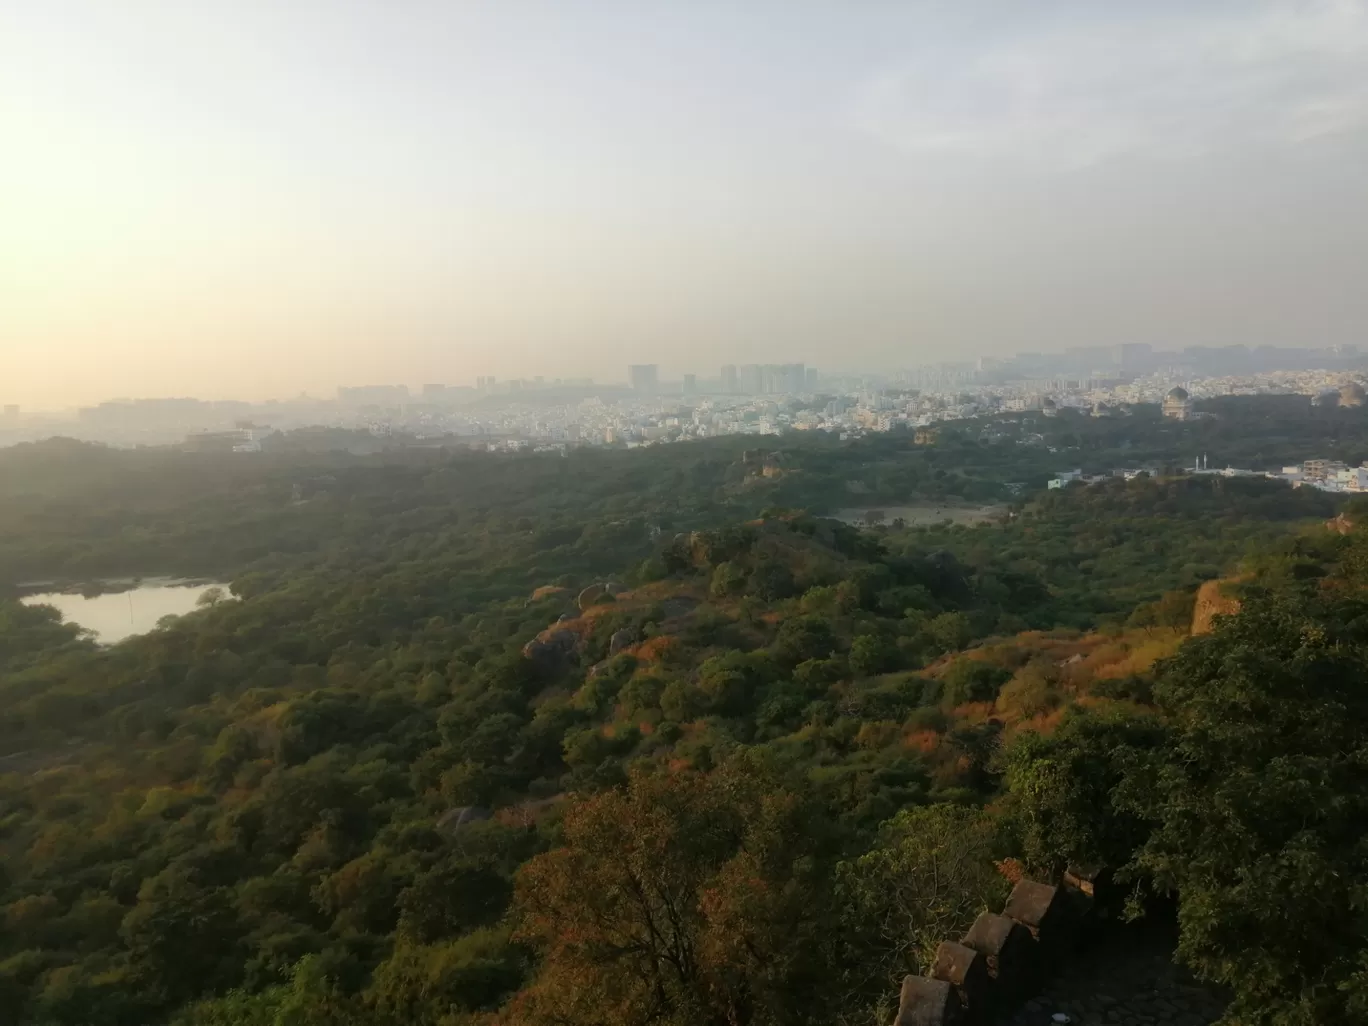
<point>1051,957</point>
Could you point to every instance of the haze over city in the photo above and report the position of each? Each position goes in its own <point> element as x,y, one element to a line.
<point>673,512</point>
<point>253,199</point>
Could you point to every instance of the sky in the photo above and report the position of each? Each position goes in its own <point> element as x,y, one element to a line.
<point>250,199</point>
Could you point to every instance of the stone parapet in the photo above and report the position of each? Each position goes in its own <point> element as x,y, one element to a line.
<point>1003,960</point>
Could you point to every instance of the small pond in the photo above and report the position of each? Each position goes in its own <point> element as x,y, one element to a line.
<point>116,614</point>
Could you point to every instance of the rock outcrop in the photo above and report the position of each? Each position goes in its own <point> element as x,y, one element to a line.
<point>591,595</point>
<point>602,591</point>
<point>548,591</point>
<point>1341,524</point>
<point>1211,603</point>
<point>553,650</point>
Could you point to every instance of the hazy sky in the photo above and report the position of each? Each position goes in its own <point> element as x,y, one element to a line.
<point>257,197</point>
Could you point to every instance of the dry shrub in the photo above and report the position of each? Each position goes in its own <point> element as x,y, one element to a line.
<point>1032,692</point>
<point>924,741</point>
<point>1012,870</point>
<point>877,734</point>
<point>657,650</point>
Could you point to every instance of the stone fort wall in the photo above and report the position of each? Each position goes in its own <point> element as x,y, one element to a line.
<point>1054,955</point>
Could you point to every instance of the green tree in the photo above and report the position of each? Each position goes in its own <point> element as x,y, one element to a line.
<point>182,936</point>
<point>1260,796</point>
<point>927,878</point>
<point>426,985</point>
<point>728,579</point>
<point>1062,788</point>
<point>872,654</point>
<point>450,899</point>
<point>973,680</point>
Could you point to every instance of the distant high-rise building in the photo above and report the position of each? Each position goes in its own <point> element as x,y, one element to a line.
<point>778,378</point>
<point>11,413</point>
<point>690,384</point>
<point>374,395</point>
<point>1133,356</point>
<point>644,377</point>
<point>749,380</point>
<point>434,391</point>
<point>811,375</point>
<point>730,384</point>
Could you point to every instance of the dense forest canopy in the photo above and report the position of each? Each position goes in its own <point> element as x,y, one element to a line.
<point>645,737</point>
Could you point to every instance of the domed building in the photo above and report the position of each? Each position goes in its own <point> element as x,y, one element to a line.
<point>1178,404</point>
<point>1352,394</point>
<point>1050,408</point>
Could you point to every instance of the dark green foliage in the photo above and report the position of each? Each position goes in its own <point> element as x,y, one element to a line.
<point>1063,790</point>
<point>770,581</point>
<point>972,680</point>
<point>872,654</point>
<point>451,898</point>
<point>802,639</point>
<point>1105,549</point>
<point>1260,796</point>
<point>274,810</point>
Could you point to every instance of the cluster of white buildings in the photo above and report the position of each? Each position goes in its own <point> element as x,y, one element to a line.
<point>753,400</point>
<point>1325,475</point>
<point>638,422</point>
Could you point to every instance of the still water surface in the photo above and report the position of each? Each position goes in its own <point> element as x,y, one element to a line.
<point>119,615</point>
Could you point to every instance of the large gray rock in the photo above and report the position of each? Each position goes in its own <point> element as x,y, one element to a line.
<point>620,640</point>
<point>590,596</point>
<point>553,650</point>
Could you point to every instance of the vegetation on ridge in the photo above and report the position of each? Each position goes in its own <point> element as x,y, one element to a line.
<point>755,785</point>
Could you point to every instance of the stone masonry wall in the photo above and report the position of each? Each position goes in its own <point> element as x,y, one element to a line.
<point>1027,967</point>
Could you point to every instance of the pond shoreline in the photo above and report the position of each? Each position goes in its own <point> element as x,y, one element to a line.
<point>113,610</point>
<point>94,586</point>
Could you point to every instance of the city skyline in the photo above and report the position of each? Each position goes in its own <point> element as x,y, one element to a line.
<point>1077,362</point>
<point>262,199</point>
<point>1026,377</point>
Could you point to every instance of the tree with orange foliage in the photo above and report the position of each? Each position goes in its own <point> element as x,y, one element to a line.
<point>683,898</point>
